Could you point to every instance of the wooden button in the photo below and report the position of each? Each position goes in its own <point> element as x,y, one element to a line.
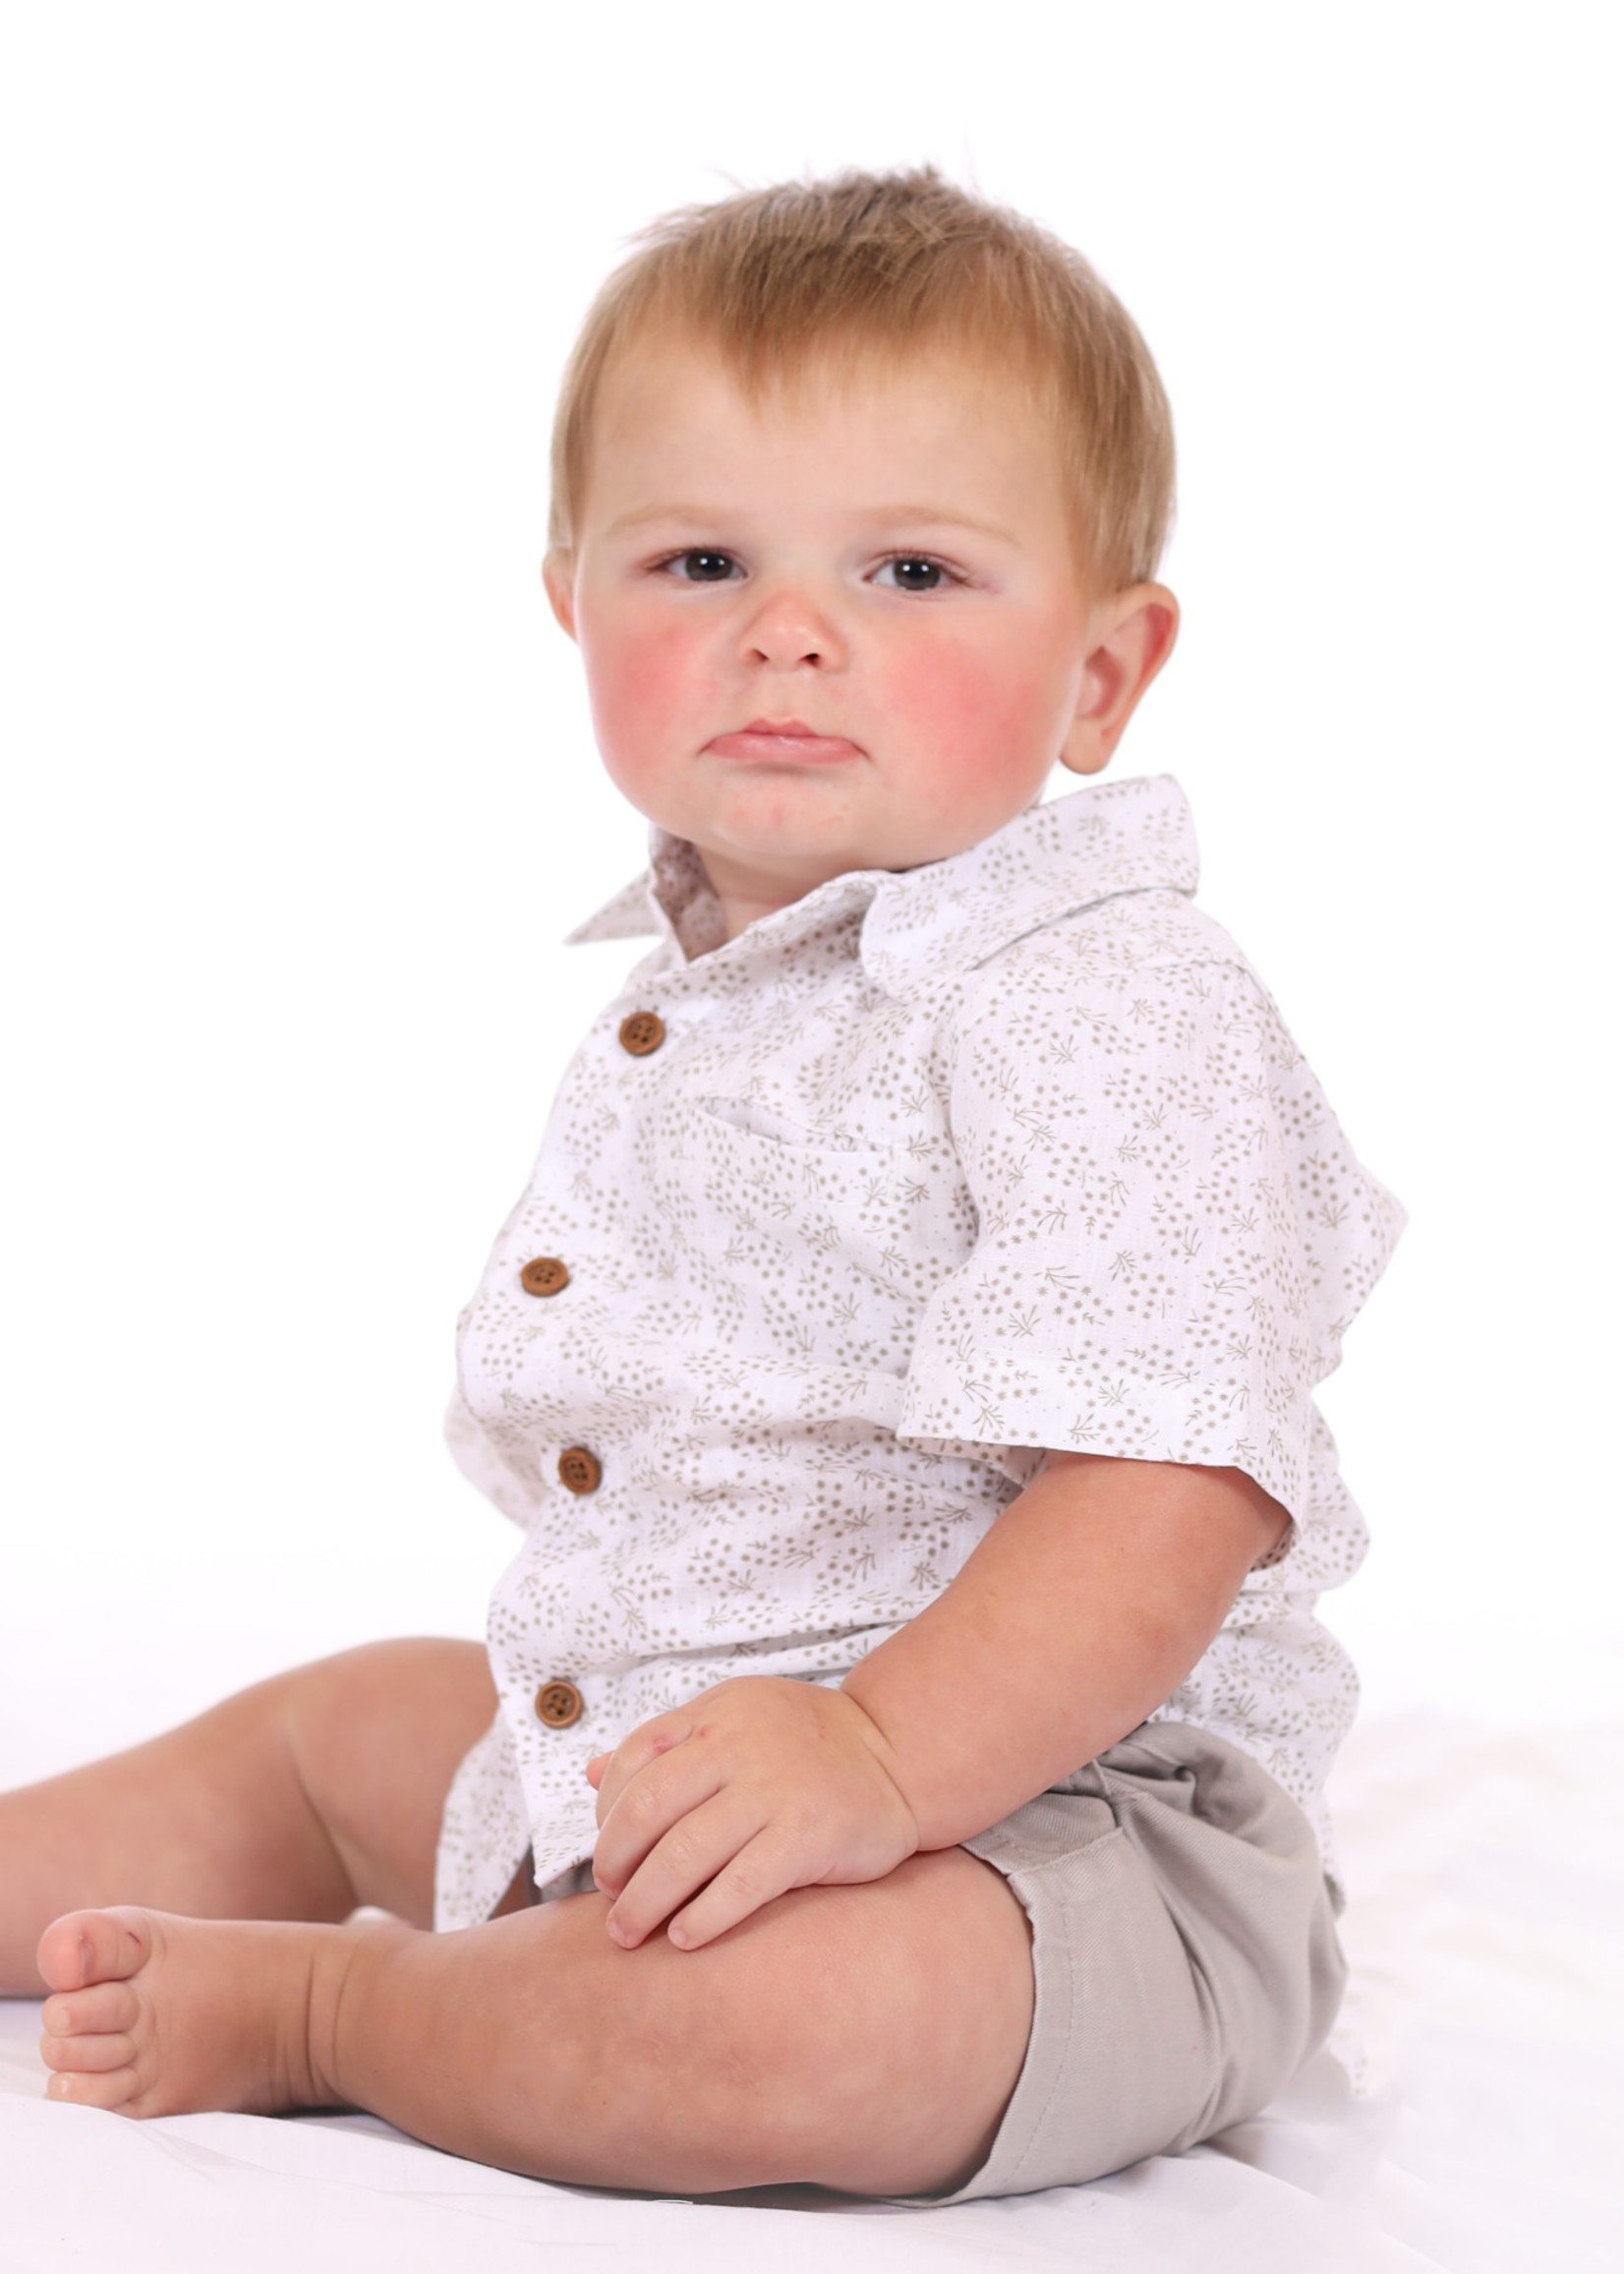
<point>643,1031</point>
<point>558,1704</point>
<point>580,1470</point>
<point>544,1275</point>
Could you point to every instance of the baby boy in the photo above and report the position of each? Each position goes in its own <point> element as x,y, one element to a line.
<point>896,1764</point>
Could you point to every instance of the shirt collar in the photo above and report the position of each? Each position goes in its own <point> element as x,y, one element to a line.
<point>1051,861</point>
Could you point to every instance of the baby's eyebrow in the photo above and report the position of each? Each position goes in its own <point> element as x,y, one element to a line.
<point>935,517</point>
<point>703,516</point>
<point>877,516</point>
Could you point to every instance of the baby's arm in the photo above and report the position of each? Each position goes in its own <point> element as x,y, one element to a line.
<point>1083,1608</point>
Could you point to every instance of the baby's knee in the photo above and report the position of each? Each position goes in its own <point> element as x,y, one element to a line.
<point>822,2041</point>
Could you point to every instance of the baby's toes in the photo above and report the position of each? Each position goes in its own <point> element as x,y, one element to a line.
<point>89,2013</point>
<point>87,2056</point>
<point>108,2088</point>
<point>84,1946</point>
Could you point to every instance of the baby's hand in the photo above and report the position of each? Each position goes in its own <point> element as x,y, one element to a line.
<point>759,1785</point>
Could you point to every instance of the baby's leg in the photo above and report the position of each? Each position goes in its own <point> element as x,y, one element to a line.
<point>297,1799</point>
<point>862,2037</point>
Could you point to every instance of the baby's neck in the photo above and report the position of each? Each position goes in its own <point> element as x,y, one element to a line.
<point>747,894</point>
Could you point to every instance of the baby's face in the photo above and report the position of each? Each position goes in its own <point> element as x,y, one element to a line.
<point>842,626</point>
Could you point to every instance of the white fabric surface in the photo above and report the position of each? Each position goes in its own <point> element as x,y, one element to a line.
<point>1487,1874</point>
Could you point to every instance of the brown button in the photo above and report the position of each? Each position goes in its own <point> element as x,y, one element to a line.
<point>643,1031</point>
<point>580,1470</point>
<point>544,1275</point>
<point>558,1704</point>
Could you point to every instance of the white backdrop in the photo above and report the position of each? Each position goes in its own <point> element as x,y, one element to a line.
<point>299,794</point>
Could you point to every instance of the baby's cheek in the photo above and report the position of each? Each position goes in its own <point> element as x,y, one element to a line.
<point>978,714</point>
<point>634,682</point>
<point>648,695</point>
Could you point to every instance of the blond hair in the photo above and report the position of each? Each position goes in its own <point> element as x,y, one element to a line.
<point>896,261</point>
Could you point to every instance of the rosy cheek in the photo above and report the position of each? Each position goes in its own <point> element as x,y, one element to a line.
<point>971,709</point>
<point>644,680</point>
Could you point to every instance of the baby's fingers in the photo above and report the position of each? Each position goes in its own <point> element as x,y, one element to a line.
<point>765,1868</point>
<point>654,1807</point>
<point>646,1743</point>
<point>705,1841</point>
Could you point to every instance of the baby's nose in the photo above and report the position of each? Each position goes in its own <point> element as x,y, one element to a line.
<point>791,628</point>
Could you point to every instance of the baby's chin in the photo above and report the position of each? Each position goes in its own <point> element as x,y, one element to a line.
<point>790,824</point>
<point>809,828</point>
<point>806,859</point>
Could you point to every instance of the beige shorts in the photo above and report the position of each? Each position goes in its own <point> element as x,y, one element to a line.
<point>1185,1948</point>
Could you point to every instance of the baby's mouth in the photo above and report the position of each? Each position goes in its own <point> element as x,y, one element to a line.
<point>782,742</point>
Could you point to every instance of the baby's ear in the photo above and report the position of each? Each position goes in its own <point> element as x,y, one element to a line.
<point>1130,638</point>
<point>559,575</point>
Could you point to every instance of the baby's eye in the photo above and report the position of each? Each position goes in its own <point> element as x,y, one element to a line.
<point>702,565</point>
<point>911,573</point>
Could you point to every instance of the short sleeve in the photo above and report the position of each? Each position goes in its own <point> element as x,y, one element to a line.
<point>1173,1231</point>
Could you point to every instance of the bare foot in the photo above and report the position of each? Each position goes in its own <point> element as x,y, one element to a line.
<point>156,2014</point>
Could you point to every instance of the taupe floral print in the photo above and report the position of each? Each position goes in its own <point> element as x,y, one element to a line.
<point>929,1173</point>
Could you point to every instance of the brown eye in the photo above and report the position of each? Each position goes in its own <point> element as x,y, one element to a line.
<point>703,568</point>
<point>911,575</point>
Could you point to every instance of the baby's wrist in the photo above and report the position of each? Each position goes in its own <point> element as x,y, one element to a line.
<point>904,1776</point>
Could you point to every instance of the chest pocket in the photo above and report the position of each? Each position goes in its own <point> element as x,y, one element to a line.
<point>836,1218</point>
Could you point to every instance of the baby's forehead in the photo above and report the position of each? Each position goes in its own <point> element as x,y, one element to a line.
<point>844,403</point>
<point>930,445</point>
<point>684,432</point>
<point>787,373</point>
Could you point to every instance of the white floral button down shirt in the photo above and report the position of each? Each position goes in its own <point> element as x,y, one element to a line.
<point>931,1171</point>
